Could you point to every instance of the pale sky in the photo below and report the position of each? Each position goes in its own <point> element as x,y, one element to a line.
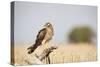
<point>30,17</point>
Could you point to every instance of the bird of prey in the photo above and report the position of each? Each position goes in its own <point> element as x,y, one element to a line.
<point>44,36</point>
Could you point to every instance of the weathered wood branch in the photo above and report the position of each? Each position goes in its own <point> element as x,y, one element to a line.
<point>45,53</point>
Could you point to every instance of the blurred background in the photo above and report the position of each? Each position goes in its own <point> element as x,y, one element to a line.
<point>72,23</point>
<point>82,34</point>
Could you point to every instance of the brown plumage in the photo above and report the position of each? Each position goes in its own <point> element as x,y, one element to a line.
<point>44,36</point>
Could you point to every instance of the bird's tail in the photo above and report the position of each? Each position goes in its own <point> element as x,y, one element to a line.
<point>32,48</point>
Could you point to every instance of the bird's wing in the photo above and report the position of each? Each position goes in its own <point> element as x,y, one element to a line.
<point>41,35</point>
<point>39,39</point>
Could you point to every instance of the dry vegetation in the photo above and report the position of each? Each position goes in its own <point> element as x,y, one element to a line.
<point>63,54</point>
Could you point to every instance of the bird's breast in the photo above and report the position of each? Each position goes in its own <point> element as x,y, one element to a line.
<point>48,35</point>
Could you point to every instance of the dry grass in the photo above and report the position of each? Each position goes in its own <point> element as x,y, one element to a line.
<point>64,54</point>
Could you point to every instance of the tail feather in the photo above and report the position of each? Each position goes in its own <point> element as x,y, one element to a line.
<point>33,47</point>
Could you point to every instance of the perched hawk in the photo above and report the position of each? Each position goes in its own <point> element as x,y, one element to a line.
<point>44,36</point>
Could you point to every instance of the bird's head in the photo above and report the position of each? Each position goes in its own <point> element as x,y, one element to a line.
<point>48,24</point>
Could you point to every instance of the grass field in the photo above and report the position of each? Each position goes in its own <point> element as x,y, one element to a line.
<point>65,53</point>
